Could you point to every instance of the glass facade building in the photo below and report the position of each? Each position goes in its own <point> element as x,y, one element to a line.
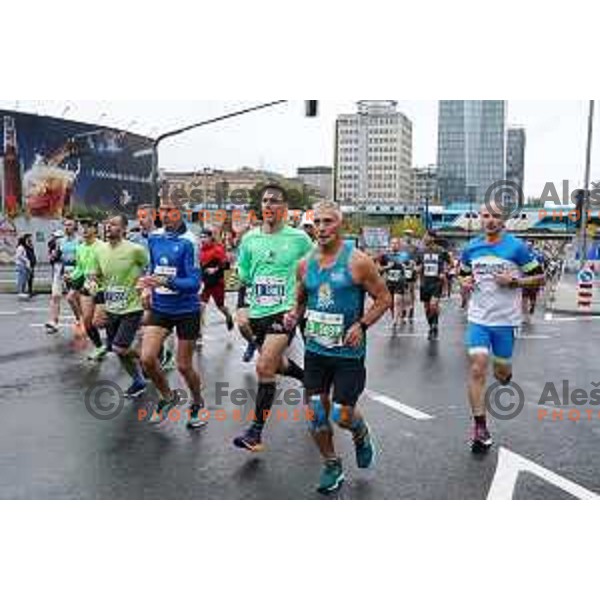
<point>470,148</point>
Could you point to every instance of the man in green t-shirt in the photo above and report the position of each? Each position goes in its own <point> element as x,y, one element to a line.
<point>267,263</point>
<point>119,264</point>
<point>91,298</point>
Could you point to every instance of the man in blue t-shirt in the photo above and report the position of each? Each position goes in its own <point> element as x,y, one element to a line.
<point>170,293</point>
<point>495,267</point>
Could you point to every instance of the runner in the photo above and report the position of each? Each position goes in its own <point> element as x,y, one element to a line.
<point>119,264</point>
<point>395,265</point>
<point>147,227</point>
<point>91,297</point>
<point>530,294</point>
<point>492,266</point>
<point>242,317</point>
<point>267,264</point>
<point>410,275</point>
<point>62,254</point>
<point>432,263</point>
<point>171,295</point>
<point>213,262</point>
<point>331,290</point>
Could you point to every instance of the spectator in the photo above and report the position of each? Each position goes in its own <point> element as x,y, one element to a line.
<point>30,250</point>
<point>23,268</point>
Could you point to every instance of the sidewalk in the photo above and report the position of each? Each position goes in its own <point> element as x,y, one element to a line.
<point>565,298</point>
<point>41,283</point>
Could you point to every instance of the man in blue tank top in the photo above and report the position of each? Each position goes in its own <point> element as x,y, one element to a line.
<point>332,282</point>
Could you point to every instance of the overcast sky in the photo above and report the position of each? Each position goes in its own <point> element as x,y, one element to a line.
<point>281,139</point>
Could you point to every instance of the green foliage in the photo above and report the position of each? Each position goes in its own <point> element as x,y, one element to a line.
<point>300,198</point>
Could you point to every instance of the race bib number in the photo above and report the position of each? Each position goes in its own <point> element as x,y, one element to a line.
<point>116,298</point>
<point>431,270</point>
<point>408,273</point>
<point>269,291</point>
<point>165,271</point>
<point>394,275</point>
<point>325,329</point>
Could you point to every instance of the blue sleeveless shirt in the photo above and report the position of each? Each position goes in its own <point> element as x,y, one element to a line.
<point>334,304</point>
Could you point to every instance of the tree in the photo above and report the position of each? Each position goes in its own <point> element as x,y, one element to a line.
<point>300,198</point>
<point>414,224</point>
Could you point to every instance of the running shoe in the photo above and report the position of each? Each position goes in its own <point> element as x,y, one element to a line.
<point>365,451</point>
<point>249,354</point>
<point>51,328</point>
<point>136,389</point>
<point>168,361</point>
<point>98,355</point>
<point>161,414</point>
<point>481,441</point>
<point>332,477</point>
<point>251,440</point>
<point>195,422</point>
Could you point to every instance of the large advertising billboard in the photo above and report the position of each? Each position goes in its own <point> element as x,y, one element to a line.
<point>49,166</point>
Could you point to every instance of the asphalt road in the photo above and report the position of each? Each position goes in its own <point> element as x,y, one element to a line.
<point>51,447</point>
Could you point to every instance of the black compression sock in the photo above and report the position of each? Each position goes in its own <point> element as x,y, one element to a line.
<point>481,421</point>
<point>294,371</point>
<point>94,335</point>
<point>264,402</point>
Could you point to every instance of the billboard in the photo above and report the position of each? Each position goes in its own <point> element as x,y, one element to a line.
<point>49,166</point>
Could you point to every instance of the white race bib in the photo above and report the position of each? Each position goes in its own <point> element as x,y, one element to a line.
<point>115,298</point>
<point>431,270</point>
<point>269,291</point>
<point>325,329</point>
<point>165,271</point>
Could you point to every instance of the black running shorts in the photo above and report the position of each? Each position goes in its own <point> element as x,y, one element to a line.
<point>122,329</point>
<point>186,326</point>
<point>271,325</point>
<point>348,377</point>
<point>430,290</point>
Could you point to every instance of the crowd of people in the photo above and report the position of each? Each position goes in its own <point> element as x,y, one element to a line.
<point>141,293</point>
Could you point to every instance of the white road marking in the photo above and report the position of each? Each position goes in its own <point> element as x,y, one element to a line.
<point>8,314</point>
<point>534,337</point>
<point>577,318</point>
<point>507,473</point>
<point>413,413</point>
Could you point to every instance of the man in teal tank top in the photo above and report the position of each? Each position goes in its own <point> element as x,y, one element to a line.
<point>332,283</point>
<point>267,264</point>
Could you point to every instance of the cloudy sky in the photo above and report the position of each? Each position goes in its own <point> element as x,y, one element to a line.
<point>281,139</point>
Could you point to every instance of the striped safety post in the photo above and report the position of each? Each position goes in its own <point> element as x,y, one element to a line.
<point>585,289</point>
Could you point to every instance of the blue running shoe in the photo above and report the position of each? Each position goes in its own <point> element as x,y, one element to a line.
<point>249,354</point>
<point>332,477</point>
<point>251,440</point>
<point>365,451</point>
<point>136,389</point>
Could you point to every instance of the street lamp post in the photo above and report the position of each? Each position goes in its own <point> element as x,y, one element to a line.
<point>586,190</point>
<point>156,143</point>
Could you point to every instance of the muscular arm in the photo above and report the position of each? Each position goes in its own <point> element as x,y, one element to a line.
<point>365,274</point>
<point>301,295</point>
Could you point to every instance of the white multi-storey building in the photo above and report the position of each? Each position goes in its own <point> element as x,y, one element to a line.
<point>374,154</point>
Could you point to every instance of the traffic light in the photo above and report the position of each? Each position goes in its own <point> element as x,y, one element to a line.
<point>312,108</point>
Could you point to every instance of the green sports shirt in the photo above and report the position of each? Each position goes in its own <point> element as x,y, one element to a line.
<point>267,265</point>
<point>119,267</point>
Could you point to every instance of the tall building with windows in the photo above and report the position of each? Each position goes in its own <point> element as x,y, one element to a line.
<point>515,156</point>
<point>426,183</point>
<point>374,154</point>
<point>470,148</point>
<point>318,178</point>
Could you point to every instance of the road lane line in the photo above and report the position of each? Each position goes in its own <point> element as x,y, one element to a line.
<point>511,464</point>
<point>409,411</point>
